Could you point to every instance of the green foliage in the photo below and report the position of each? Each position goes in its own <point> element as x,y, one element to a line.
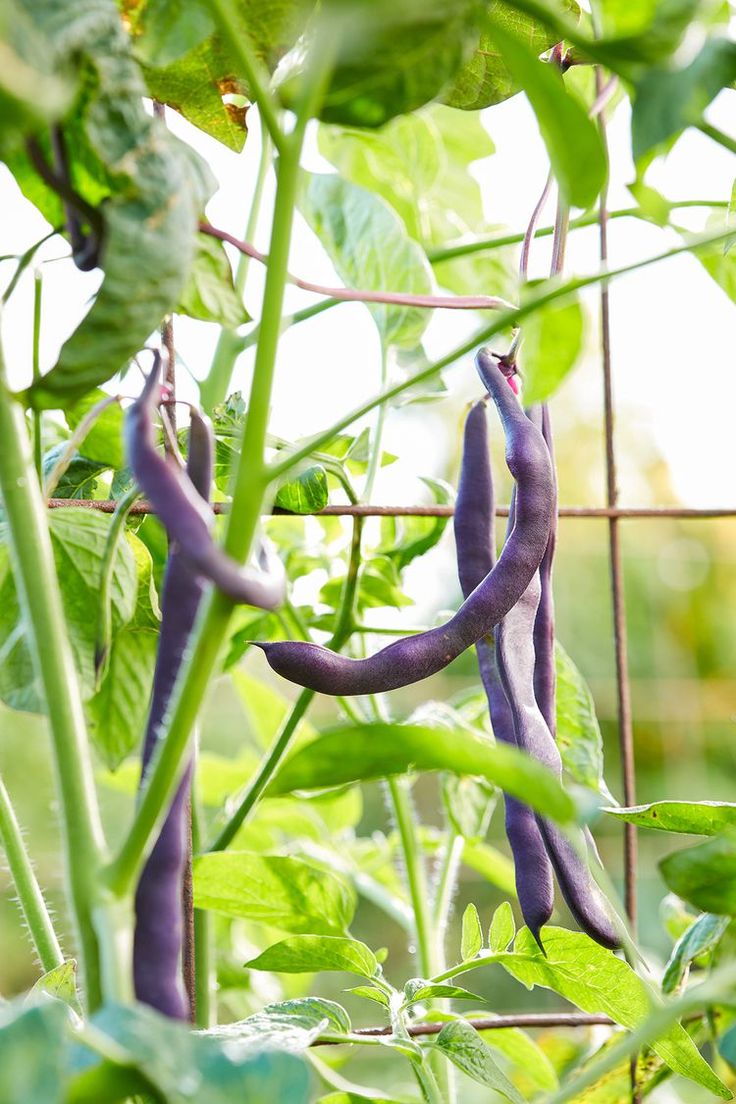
<point>33,92</point>
<point>471,940</point>
<point>152,198</point>
<point>595,980</point>
<point>553,341</point>
<point>365,751</point>
<point>306,493</point>
<point>486,79</point>
<point>370,249</point>
<point>699,818</point>
<point>705,875</point>
<point>61,983</point>
<point>502,929</point>
<point>103,442</point>
<point>462,1045</point>
<point>32,1052</point>
<point>209,293</point>
<point>578,732</point>
<point>572,139</point>
<point>703,935</point>
<point>393,58</point>
<point>285,892</point>
<point>307,954</point>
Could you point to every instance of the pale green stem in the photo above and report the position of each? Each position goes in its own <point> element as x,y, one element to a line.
<point>38,589</point>
<point>445,888</point>
<point>416,876</point>
<point>251,481</point>
<point>213,389</point>
<point>37,414</point>
<point>28,891</point>
<point>718,136</point>
<point>505,321</point>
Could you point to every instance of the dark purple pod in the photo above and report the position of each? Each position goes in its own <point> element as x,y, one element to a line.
<point>417,657</point>
<point>476,554</point>
<point>159,918</point>
<point>516,662</point>
<point>544,623</point>
<point>185,515</point>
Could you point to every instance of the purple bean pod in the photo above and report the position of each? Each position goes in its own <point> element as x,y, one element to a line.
<point>159,927</point>
<point>516,663</point>
<point>186,516</point>
<point>545,679</point>
<point>417,657</point>
<point>475,544</point>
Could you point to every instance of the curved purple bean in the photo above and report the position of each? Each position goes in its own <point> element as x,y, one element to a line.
<point>475,545</point>
<point>417,657</point>
<point>516,662</point>
<point>159,927</point>
<point>186,516</point>
<point>544,623</point>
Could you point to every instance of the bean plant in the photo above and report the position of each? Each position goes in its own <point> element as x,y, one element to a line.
<point>225,908</point>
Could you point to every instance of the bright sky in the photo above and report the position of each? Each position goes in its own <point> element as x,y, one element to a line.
<point>673,328</point>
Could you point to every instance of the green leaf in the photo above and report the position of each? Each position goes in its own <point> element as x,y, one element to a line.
<point>572,139</point>
<point>471,939</point>
<point>705,875</point>
<point>719,261</point>
<point>468,805</point>
<point>305,493</point>
<point>578,732</point>
<point>371,993</point>
<point>185,1066</point>
<point>393,58</point>
<point>310,954</point>
<point>32,1044</point>
<point>370,250</point>
<point>553,340</point>
<point>668,100</point>
<point>527,1056</point>
<point>419,989</point>
<point>33,92</point>
<point>596,981</point>
<point>502,929</point>
<point>266,709</point>
<point>697,818</point>
<point>61,983</point>
<point>80,480</point>
<point>209,293</point>
<point>153,195</point>
<point>167,30</point>
<point>104,441</point>
<point>204,84</point>
<point>404,539</point>
<point>285,892</point>
<point>459,1042</point>
<point>291,1025</point>
<point>117,713</point>
<point>486,78</point>
<point>78,539</point>
<point>703,935</point>
<point>361,752</point>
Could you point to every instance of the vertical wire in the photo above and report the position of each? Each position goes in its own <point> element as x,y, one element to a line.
<point>623,689</point>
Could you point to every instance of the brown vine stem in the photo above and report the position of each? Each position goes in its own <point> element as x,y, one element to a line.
<point>353,295</point>
<point>682,513</point>
<point>495,1023</point>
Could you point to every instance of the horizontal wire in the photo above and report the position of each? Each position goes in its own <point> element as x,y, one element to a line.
<point>107,506</point>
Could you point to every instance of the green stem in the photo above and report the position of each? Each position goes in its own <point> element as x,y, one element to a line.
<point>251,480</point>
<point>293,319</point>
<point>35,575</point>
<point>590,218</point>
<point>469,964</point>
<point>256,74</point>
<point>416,876</point>
<point>30,898</point>
<point>505,321</point>
<point>263,776</point>
<point>37,414</point>
<point>452,855</point>
<point>718,136</point>
<point>213,389</point>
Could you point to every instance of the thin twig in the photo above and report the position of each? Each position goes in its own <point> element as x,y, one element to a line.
<point>683,513</point>
<point>353,295</point>
<point>495,1023</point>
